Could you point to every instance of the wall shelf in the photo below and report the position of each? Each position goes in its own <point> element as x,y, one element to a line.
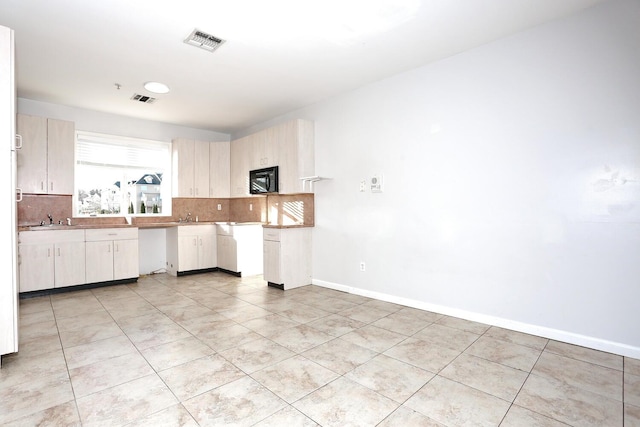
<point>311,180</point>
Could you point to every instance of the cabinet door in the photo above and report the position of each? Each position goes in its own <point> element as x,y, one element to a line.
<point>36,267</point>
<point>227,253</point>
<point>271,148</point>
<point>32,158</point>
<point>219,169</point>
<point>61,146</point>
<point>288,143</point>
<point>187,253</point>
<point>271,262</point>
<point>182,152</point>
<point>240,167</point>
<point>125,259</point>
<point>207,256</point>
<point>201,169</point>
<point>256,151</point>
<point>296,155</point>
<point>99,261</point>
<point>69,264</point>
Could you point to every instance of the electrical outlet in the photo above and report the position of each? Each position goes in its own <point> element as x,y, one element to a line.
<point>219,206</point>
<point>363,266</point>
<point>250,206</point>
<point>363,186</point>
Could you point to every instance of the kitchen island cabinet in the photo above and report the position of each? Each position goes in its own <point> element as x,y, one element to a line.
<point>287,257</point>
<point>51,259</point>
<point>239,248</point>
<point>111,254</point>
<point>45,161</point>
<point>191,248</point>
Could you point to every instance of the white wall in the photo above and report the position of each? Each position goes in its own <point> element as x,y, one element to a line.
<point>113,124</point>
<point>512,183</point>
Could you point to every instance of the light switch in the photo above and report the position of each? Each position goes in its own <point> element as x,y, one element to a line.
<point>376,183</point>
<point>363,186</point>
<point>219,206</point>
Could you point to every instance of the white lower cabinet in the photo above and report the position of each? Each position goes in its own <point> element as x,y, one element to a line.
<point>239,248</point>
<point>191,248</point>
<point>51,259</point>
<point>287,257</point>
<point>111,254</point>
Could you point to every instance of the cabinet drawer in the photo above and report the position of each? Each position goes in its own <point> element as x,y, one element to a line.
<point>50,236</point>
<point>271,234</point>
<point>100,234</point>
<point>196,230</point>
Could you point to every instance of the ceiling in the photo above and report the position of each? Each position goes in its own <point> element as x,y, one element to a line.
<point>278,55</point>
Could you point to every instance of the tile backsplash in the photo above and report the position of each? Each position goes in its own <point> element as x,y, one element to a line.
<point>34,208</point>
<point>289,209</point>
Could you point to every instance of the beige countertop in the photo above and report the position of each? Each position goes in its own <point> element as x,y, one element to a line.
<point>146,225</point>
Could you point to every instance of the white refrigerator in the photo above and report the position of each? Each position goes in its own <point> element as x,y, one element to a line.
<point>8,225</point>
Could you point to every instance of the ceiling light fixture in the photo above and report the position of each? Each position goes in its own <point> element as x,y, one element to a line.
<point>156,87</point>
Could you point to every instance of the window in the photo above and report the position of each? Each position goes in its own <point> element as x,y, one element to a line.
<point>120,176</point>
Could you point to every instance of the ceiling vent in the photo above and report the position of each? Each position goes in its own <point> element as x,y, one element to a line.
<point>143,98</point>
<point>203,40</point>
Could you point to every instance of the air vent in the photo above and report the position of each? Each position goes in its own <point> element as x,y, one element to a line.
<point>143,98</point>
<point>203,40</point>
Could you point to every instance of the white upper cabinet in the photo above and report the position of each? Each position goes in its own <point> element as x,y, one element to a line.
<point>200,169</point>
<point>296,154</point>
<point>289,146</point>
<point>219,169</point>
<point>190,175</point>
<point>240,166</point>
<point>46,160</point>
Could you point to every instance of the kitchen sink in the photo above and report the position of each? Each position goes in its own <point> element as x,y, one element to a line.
<point>50,227</point>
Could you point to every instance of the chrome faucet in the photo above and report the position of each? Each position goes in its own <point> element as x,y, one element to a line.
<point>50,219</point>
<point>188,218</point>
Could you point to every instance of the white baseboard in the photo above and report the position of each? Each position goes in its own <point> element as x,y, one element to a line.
<point>541,331</point>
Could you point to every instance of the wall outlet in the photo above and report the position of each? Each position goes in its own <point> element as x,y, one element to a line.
<point>250,206</point>
<point>219,206</point>
<point>363,266</point>
<point>363,186</point>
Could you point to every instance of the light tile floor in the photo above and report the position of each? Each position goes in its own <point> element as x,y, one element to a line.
<point>213,349</point>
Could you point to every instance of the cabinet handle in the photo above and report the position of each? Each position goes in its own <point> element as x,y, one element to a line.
<point>108,249</point>
<point>58,251</point>
<point>19,195</point>
<point>49,253</point>
<point>195,241</point>
<point>51,185</point>
<point>19,142</point>
<point>42,185</point>
<point>117,249</point>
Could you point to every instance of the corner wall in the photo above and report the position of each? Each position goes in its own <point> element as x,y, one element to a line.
<point>511,183</point>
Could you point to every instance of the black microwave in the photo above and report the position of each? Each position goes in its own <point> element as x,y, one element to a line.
<point>263,180</point>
